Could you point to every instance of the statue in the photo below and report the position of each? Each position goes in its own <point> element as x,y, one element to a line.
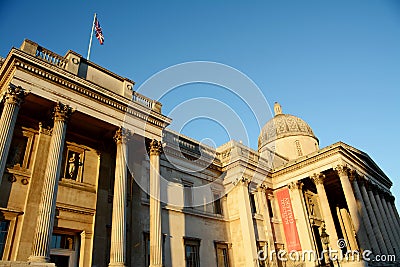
<point>72,164</point>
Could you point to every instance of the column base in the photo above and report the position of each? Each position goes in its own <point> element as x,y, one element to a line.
<point>156,265</point>
<point>38,259</point>
<point>116,264</point>
<point>25,264</point>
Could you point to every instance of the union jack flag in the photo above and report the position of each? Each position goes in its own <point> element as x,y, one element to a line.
<point>99,33</point>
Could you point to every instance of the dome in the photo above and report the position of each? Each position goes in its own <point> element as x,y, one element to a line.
<point>283,125</point>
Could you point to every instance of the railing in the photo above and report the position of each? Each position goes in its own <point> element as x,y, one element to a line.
<point>147,102</point>
<point>50,57</point>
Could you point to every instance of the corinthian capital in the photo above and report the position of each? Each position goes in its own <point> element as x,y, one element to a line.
<point>14,95</point>
<point>62,112</point>
<point>242,180</point>
<point>318,178</point>
<point>155,147</point>
<point>342,170</point>
<point>295,185</point>
<point>122,135</point>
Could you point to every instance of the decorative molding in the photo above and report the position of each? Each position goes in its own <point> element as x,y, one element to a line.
<point>14,95</point>
<point>62,112</point>
<point>318,178</point>
<point>244,180</point>
<point>342,170</point>
<point>102,98</point>
<point>45,129</point>
<point>122,135</point>
<point>296,185</point>
<point>155,147</point>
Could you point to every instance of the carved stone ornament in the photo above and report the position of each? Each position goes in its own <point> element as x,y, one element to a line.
<point>45,129</point>
<point>62,112</point>
<point>14,94</point>
<point>295,185</point>
<point>242,180</point>
<point>122,135</point>
<point>342,170</point>
<point>353,175</point>
<point>155,147</point>
<point>264,188</point>
<point>318,178</point>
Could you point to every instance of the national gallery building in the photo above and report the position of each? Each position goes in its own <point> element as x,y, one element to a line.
<point>90,175</point>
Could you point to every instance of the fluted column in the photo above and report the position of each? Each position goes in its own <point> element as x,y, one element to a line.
<point>379,219</point>
<point>118,226</point>
<point>299,210</point>
<point>374,221</point>
<point>364,215</point>
<point>45,220</point>
<point>246,221</point>
<point>392,226</point>
<point>390,241</point>
<point>155,205</point>
<point>318,179</point>
<point>342,171</point>
<point>262,193</point>
<point>13,98</point>
<point>389,203</point>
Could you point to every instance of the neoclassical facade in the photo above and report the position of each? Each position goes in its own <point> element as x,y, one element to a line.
<point>90,175</point>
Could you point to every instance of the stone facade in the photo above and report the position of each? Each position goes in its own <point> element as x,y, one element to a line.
<point>91,176</point>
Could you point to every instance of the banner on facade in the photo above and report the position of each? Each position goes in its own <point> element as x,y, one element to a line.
<point>288,221</point>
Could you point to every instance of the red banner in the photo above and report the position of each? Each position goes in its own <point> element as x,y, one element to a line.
<point>289,223</point>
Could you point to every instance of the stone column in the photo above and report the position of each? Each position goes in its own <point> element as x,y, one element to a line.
<point>300,213</point>
<point>394,210</point>
<point>390,241</point>
<point>387,248</point>
<point>118,224</point>
<point>262,192</point>
<point>318,180</point>
<point>389,201</point>
<point>45,220</point>
<point>342,171</point>
<point>13,98</point>
<point>364,215</point>
<point>155,205</point>
<point>246,221</point>
<point>392,226</point>
<point>374,222</point>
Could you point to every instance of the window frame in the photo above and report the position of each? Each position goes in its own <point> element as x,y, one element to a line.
<point>194,242</point>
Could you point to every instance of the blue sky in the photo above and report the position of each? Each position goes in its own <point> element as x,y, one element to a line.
<point>336,64</point>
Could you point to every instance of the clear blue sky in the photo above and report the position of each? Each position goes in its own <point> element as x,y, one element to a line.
<point>336,64</point>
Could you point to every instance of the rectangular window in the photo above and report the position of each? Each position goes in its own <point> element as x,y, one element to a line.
<point>253,203</point>
<point>192,248</point>
<point>187,192</point>
<point>147,249</point>
<point>3,236</point>
<point>62,241</point>
<point>222,254</point>
<point>217,204</point>
<point>270,210</point>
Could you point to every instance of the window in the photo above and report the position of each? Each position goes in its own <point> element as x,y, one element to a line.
<point>17,151</point>
<point>217,204</point>
<point>74,159</point>
<point>62,241</point>
<point>298,148</point>
<point>253,203</point>
<point>270,210</point>
<point>192,248</point>
<point>64,249</point>
<point>3,236</point>
<point>187,192</point>
<point>147,249</point>
<point>222,254</point>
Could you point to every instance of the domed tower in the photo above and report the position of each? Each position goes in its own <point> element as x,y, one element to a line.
<point>286,135</point>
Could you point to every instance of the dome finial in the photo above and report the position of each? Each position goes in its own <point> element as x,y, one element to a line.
<point>277,108</point>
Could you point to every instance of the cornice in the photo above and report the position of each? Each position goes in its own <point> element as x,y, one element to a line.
<point>71,82</point>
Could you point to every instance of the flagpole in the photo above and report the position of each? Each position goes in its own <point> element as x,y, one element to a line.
<point>91,37</point>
